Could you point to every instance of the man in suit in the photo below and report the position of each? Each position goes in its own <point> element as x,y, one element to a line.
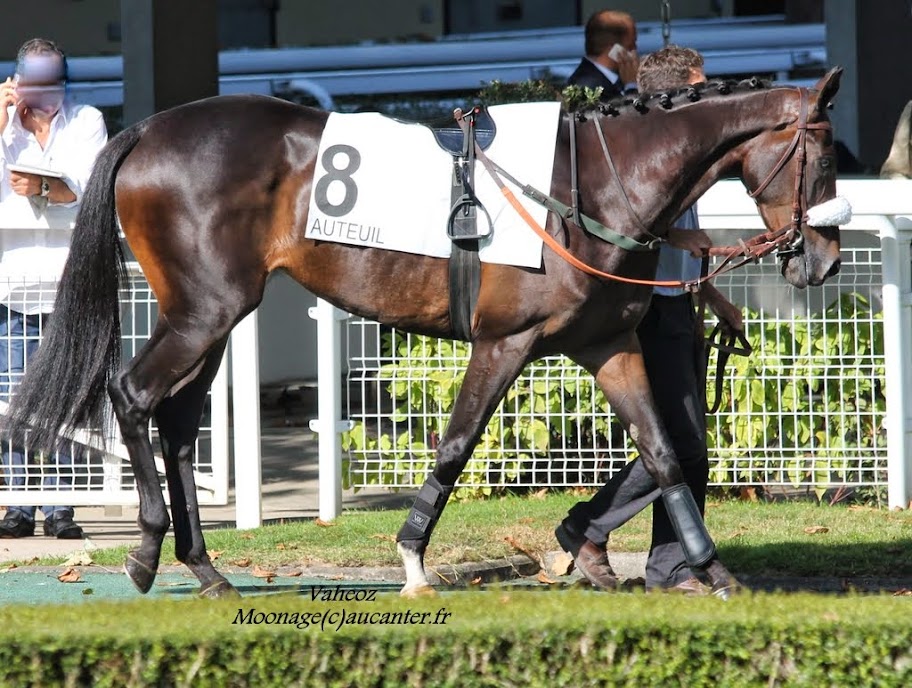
<point>615,72</point>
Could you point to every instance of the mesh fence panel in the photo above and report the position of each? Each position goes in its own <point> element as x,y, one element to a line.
<point>805,409</point>
<point>77,466</point>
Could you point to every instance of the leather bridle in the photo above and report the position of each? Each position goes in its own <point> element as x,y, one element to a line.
<point>788,240</point>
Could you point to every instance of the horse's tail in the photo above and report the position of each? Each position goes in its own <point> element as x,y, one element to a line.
<point>66,381</point>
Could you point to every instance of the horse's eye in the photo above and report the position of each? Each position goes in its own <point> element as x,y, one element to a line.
<point>825,163</point>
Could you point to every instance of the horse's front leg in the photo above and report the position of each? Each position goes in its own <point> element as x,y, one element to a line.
<point>492,368</point>
<point>619,370</point>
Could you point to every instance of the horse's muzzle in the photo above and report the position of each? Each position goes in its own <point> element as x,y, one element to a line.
<point>800,266</point>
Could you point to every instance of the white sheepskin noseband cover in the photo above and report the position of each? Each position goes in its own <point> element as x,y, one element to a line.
<point>833,213</point>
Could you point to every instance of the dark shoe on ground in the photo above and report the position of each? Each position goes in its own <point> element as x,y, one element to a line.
<point>16,525</point>
<point>589,558</point>
<point>62,527</point>
<point>692,587</point>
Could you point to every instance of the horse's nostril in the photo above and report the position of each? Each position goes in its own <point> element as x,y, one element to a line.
<point>834,268</point>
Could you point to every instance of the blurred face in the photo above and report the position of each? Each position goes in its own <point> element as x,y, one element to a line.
<point>40,85</point>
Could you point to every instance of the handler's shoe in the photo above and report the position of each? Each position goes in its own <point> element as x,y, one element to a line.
<point>62,527</point>
<point>589,558</point>
<point>16,525</point>
<point>691,587</point>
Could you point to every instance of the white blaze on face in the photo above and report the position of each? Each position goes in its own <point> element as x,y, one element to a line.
<point>833,213</point>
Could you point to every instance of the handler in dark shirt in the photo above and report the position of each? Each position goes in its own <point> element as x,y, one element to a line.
<point>671,339</point>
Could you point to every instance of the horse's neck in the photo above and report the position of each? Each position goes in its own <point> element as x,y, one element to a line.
<point>708,138</point>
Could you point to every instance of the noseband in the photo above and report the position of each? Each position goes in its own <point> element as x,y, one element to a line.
<point>788,240</point>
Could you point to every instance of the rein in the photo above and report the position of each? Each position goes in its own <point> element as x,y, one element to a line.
<point>596,229</point>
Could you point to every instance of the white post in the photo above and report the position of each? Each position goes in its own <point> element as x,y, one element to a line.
<point>245,375</point>
<point>897,302</point>
<point>219,432</point>
<point>328,423</point>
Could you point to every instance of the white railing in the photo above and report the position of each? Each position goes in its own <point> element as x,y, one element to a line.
<point>876,260</point>
<point>98,477</point>
<point>876,264</point>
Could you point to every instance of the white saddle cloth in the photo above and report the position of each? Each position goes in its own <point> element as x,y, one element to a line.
<point>387,184</point>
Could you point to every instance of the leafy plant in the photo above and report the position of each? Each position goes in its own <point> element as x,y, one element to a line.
<point>537,90</point>
<point>810,398</point>
<point>812,393</point>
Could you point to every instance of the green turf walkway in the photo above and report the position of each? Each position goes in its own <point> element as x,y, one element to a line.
<point>42,587</point>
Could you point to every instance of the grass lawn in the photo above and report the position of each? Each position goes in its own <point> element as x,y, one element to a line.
<point>794,538</point>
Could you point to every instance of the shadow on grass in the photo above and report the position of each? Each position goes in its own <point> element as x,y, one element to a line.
<point>862,559</point>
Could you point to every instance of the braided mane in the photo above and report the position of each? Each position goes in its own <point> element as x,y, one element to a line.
<point>668,98</point>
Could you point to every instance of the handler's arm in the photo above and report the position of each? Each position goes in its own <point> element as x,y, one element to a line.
<point>729,315</point>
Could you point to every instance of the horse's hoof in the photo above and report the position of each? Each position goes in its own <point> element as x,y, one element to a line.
<point>416,591</point>
<point>220,589</point>
<point>724,585</point>
<point>727,590</point>
<point>140,574</point>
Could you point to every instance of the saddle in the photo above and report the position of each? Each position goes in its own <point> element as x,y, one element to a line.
<point>459,139</point>
<point>452,138</point>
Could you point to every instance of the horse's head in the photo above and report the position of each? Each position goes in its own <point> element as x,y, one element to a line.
<point>791,170</point>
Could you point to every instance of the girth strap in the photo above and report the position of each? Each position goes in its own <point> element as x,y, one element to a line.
<point>462,228</point>
<point>464,284</point>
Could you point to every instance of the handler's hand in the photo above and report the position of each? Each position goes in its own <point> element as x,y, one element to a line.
<point>730,318</point>
<point>692,240</point>
<point>25,184</point>
<point>628,65</point>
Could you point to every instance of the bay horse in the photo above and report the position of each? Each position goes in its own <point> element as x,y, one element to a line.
<point>212,197</point>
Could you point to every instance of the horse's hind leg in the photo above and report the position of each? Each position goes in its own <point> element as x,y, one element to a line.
<point>178,421</point>
<point>176,346</point>
<point>620,373</point>
<point>492,368</point>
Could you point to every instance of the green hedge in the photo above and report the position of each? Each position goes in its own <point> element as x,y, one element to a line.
<point>577,638</point>
<point>813,389</point>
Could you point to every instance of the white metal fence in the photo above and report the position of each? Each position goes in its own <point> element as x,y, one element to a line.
<point>83,474</point>
<point>876,445</point>
<point>813,402</point>
<point>805,409</point>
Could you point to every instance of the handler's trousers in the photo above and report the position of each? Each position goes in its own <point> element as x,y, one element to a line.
<point>675,364</point>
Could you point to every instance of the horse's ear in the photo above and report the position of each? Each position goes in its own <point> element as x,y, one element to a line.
<point>827,87</point>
